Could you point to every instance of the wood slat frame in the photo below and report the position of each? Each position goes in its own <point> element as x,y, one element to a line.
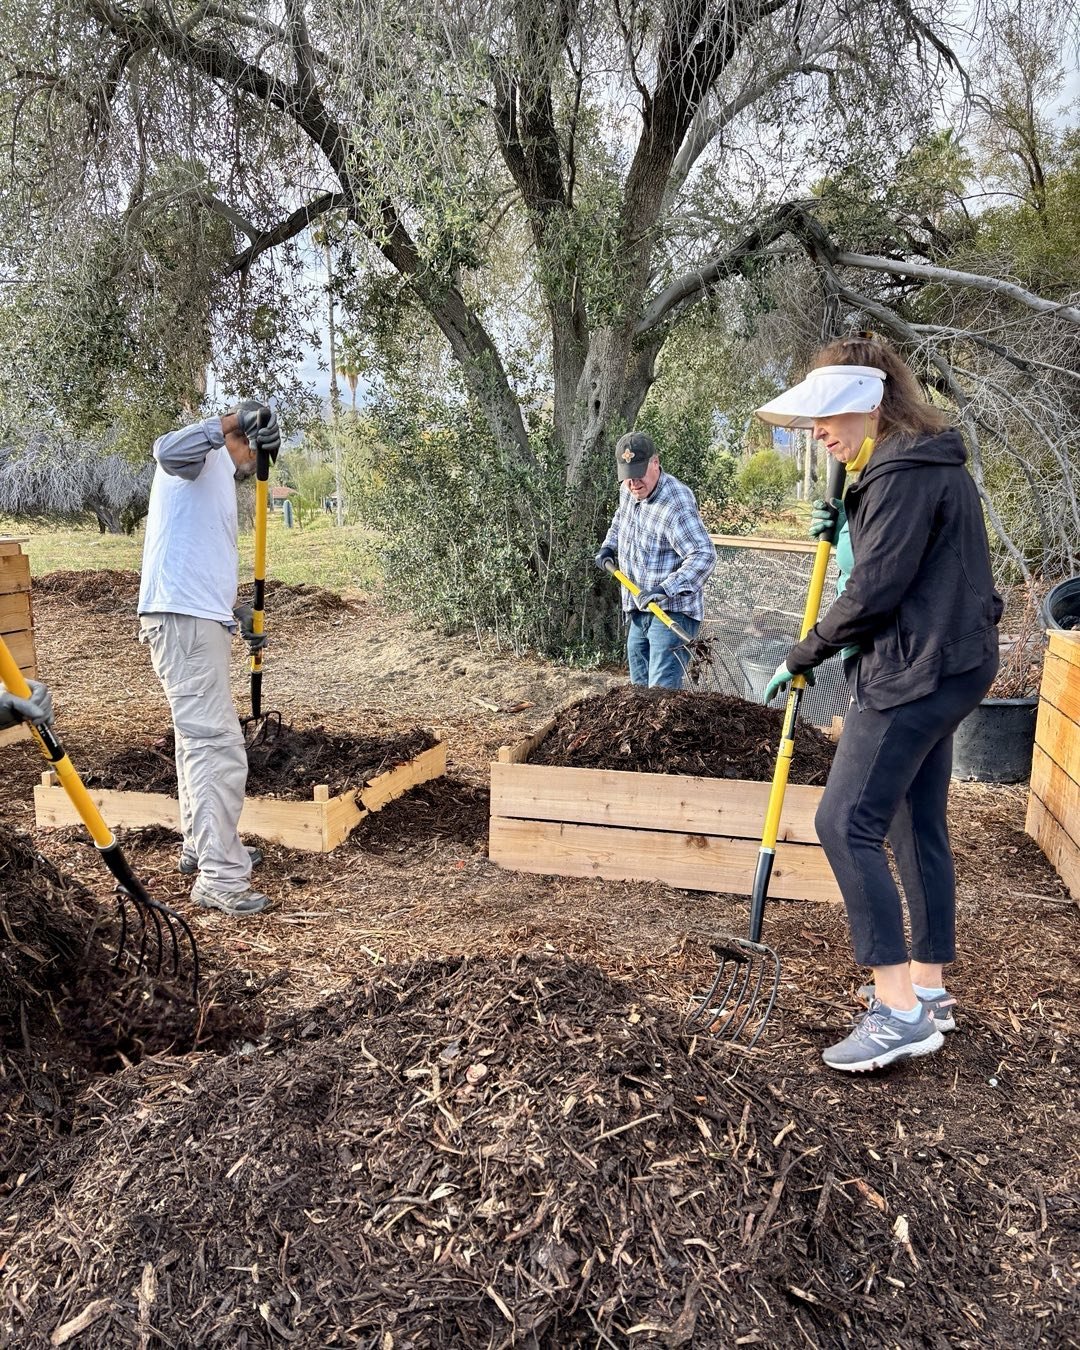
<point>315,826</point>
<point>695,833</point>
<point>1053,814</point>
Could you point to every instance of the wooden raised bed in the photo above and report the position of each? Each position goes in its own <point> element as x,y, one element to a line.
<point>1053,814</point>
<point>16,619</point>
<point>316,826</point>
<point>700,834</point>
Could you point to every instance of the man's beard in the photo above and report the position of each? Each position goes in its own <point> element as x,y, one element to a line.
<point>242,475</point>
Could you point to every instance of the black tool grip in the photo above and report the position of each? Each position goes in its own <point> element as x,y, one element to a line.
<point>834,491</point>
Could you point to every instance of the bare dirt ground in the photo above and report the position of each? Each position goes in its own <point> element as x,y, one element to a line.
<point>968,1160</point>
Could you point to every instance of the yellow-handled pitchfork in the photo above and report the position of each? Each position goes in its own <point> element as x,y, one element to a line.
<point>750,967</point>
<point>156,919</point>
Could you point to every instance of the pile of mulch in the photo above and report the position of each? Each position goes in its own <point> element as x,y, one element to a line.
<point>118,589</point>
<point>444,814</point>
<point>286,764</point>
<point>500,1153</point>
<point>660,731</point>
<point>67,1013</point>
<point>107,589</point>
<point>301,601</point>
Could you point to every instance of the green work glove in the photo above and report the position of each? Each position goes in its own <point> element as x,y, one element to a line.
<point>258,422</point>
<point>644,599</point>
<point>781,680</point>
<point>38,708</point>
<point>824,516</point>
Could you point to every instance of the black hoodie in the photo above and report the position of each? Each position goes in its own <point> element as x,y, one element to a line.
<point>920,603</point>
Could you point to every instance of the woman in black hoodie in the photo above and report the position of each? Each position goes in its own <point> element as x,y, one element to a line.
<point>919,617</point>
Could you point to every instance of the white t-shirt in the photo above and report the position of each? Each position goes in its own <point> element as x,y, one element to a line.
<point>190,557</point>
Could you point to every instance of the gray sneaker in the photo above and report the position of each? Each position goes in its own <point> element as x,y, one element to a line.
<point>237,903</point>
<point>940,1008</point>
<point>880,1039</point>
<point>188,864</point>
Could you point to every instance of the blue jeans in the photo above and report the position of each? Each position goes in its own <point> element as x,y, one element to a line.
<point>655,655</point>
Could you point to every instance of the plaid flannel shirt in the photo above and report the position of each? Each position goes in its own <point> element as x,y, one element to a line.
<point>663,545</point>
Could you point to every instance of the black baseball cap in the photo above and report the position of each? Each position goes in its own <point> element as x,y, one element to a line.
<point>632,454</point>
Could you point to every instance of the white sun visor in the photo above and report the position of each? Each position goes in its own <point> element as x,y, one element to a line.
<point>826,392</point>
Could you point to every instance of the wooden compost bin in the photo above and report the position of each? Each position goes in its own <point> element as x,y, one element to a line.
<point>16,618</point>
<point>701,834</point>
<point>1053,814</point>
<point>316,826</point>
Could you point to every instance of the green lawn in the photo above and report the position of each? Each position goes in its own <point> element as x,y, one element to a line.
<point>319,554</point>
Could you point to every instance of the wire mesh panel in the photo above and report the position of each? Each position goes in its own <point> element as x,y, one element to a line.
<point>754,604</point>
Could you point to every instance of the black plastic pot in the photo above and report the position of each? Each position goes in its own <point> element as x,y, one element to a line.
<point>1061,608</point>
<point>994,743</point>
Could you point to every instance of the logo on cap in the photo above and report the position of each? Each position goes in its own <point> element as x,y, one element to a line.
<point>627,456</point>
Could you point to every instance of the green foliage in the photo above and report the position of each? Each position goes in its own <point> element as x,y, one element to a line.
<point>767,480</point>
<point>471,539</point>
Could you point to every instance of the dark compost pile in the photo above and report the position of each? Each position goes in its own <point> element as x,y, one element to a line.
<point>288,764</point>
<point>515,1152</point>
<point>67,1012</point>
<point>659,731</point>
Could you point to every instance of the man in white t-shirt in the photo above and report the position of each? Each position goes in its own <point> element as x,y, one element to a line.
<point>186,599</point>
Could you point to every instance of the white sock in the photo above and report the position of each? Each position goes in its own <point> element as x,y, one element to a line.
<point>922,992</point>
<point>911,1015</point>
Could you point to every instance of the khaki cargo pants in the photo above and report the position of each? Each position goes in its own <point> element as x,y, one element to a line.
<point>191,659</point>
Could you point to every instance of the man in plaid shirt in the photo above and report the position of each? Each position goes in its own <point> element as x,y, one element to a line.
<point>660,541</point>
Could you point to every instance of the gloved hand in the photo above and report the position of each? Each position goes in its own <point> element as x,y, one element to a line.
<point>605,556</point>
<point>245,617</point>
<point>781,680</point>
<point>655,597</point>
<point>38,708</point>
<point>824,515</point>
<point>258,422</point>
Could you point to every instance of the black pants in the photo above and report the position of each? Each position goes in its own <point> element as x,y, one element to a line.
<point>890,779</point>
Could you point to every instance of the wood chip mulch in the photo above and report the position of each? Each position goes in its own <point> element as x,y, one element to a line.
<point>286,764</point>
<point>495,1153</point>
<point>659,731</point>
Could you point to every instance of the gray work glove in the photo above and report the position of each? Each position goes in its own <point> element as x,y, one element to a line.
<point>604,557</point>
<point>654,597</point>
<point>245,617</point>
<point>824,516</point>
<point>258,422</point>
<point>38,708</point>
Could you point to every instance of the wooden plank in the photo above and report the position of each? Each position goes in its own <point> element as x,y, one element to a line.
<point>429,764</point>
<point>14,573</point>
<point>520,751</point>
<point>20,732</point>
<point>692,861</point>
<point>657,801</point>
<point>767,545</point>
<point>10,545</point>
<point>1059,736</point>
<point>15,612</point>
<point>21,647</point>
<point>1061,685</point>
<point>1066,645</point>
<point>1059,793</point>
<point>1062,852</point>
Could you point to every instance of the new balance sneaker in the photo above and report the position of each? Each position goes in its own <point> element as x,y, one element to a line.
<point>940,1008</point>
<point>881,1038</point>
<point>189,864</point>
<point>239,904</point>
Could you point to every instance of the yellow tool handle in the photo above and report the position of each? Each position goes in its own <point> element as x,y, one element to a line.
<point>798,685</point>
<point>54,752</point>
<point>654,608</point>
